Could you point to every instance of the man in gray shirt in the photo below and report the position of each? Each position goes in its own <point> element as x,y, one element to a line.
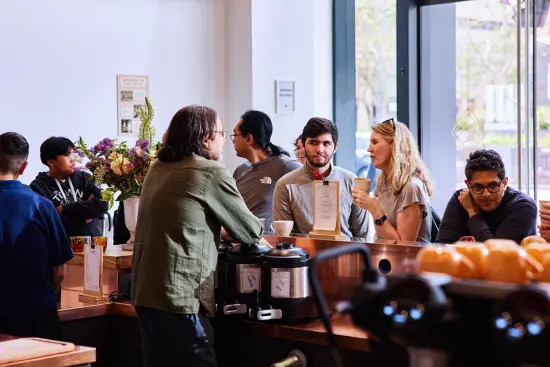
<point>293,197</point>
<point>267,163</point>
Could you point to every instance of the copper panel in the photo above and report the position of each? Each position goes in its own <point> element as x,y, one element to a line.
<point>346,266</point>
<point>339,276</point>
<point>69,299</point>
<point>73,284</point>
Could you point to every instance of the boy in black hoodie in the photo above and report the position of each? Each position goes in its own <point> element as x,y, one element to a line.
<point>74,194</point>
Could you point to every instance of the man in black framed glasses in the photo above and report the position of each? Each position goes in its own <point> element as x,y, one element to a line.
<point>487,208</point>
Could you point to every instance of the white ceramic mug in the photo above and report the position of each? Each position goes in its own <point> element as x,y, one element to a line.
<point>282,227</point>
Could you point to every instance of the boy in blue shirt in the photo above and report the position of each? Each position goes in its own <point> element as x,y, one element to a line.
<point>33,249</point>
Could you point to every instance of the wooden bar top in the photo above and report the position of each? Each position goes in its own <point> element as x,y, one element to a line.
<point>78,356</point>
<point>114,258</point>
<point>348,336</point>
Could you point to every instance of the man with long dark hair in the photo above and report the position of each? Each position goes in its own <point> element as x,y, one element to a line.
<point>266,163</point>
<point>186,199</point>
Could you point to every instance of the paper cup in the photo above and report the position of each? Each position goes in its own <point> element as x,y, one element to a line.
<point>362,184</point>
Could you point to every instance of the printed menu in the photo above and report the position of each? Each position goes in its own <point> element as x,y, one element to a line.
<point>93,267</point>
<point>326,205</point>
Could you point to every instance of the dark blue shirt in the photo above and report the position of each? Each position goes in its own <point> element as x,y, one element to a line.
<point>514,219</point>
<point>32,243</point>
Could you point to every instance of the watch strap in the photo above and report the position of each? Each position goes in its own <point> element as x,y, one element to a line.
<point>380,220</point>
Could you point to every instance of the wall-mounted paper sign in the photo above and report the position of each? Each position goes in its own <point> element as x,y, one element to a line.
<point>284,92</point>
<point>131,93</point>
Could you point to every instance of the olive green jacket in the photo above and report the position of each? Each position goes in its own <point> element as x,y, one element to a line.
<point>182,207</point>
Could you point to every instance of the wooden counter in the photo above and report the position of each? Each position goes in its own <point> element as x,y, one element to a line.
<point>114,258</point>
<point>348,336</point>
<point>79,356</point>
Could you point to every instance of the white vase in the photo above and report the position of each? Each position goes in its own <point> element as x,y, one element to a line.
<point>131,206</point>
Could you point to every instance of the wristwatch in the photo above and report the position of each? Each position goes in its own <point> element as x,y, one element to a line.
<point>380,220</point>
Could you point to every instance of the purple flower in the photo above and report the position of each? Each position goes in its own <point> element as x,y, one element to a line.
<point>103,147</point>
<point>143,144</point>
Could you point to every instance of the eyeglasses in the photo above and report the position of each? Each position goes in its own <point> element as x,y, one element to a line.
<point>232,136</point>
<point>223,133</point>
<point>493,188</point>
<point>389,121</point>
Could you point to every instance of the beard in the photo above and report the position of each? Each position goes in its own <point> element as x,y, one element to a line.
<point>318,164</point>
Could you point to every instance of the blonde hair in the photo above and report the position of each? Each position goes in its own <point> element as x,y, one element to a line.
<point>405,161</point>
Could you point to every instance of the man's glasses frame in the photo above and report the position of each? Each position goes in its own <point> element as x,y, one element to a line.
<point>233,136</point>
<point>223,133</point>
<point>479,189</point>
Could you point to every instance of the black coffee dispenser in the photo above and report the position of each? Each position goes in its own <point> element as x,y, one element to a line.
<point>244,279</point>
<point>285,292</point>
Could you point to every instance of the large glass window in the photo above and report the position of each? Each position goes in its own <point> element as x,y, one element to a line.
<point>375,48</point>
<point>486,83</point>
<point>478,60</point>
<point>472,74</point>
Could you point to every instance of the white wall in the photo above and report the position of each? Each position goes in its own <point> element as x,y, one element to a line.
<point>59,60</point>
<point>283,39</point>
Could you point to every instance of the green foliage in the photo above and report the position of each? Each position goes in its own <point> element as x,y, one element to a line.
<point>146,129</point>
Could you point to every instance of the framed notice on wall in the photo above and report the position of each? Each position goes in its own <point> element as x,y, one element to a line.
<point>285,97</point>
<point>131,93</point>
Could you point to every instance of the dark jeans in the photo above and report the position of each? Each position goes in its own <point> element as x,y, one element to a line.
<point>171,339</point>
<point>45,326</point>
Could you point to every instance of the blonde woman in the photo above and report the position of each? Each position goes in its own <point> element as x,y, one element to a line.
<point>401,207</point>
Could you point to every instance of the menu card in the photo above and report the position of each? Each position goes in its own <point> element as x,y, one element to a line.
<point>326,206</point>
<point>93,270</point>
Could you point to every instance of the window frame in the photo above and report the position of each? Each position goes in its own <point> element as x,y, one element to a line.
<point>409,101</point>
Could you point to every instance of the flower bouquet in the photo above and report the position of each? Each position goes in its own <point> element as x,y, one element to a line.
<point>122,168</point>
<point>119,166</point>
